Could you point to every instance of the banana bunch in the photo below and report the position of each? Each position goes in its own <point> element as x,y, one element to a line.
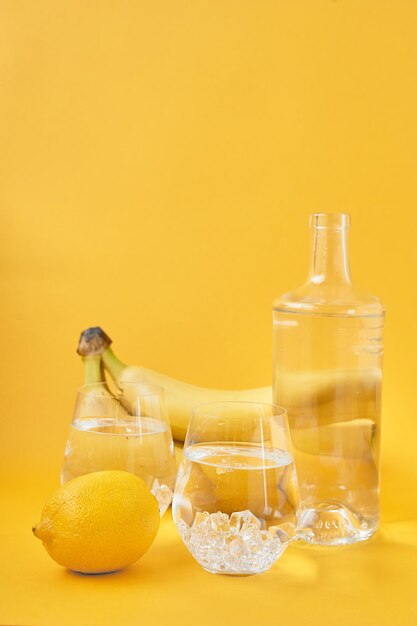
<point>180,396</point>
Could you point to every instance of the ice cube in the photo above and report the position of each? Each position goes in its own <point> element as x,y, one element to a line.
<point>250,535</point>
<point>184,530</point>
<point>201,520</point>
<point>163,495</point>
<point>220,522</point>
<point>284,532</point>
<point>243,517</point>
<point>214,538</point>
<point>155,485</point>
<point>275,548</point>
<point>235,546</point>
<point>250,518</point>
<point>205,532</point>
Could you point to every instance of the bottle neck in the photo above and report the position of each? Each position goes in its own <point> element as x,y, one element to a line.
<point>329,249</point>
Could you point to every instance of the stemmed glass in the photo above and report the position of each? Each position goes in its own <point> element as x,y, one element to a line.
<point>123,429</point>
<point>236,496</point>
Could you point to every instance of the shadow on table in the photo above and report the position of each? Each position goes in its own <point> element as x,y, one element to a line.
<point>389,556</point>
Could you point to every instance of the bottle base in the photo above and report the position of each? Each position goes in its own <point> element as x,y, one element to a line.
<point>333,524</point>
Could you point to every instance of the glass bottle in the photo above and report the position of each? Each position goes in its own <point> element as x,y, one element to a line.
<point>327,370</point>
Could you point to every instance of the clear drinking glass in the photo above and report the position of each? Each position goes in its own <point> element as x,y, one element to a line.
<point>125,429</point>
<point>236,496</point>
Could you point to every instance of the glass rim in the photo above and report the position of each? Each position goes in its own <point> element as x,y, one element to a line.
<point>330,221</point>
<point>277,411</point>
<point>150,389</point>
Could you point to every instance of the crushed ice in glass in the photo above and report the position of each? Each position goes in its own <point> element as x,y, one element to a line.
<point>238,544</point>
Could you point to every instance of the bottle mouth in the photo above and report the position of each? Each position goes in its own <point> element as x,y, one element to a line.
<point>334,221</point>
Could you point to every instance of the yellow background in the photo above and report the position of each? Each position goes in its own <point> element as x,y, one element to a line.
<point>158,163</point>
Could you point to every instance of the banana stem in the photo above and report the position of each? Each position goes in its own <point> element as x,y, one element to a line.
<point>93,372</point>
<point>93,341</point>
<point>112,364</point>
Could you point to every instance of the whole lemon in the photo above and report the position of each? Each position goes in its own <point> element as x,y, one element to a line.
<point>99,522</point>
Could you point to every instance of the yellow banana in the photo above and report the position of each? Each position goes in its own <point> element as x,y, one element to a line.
<point>353,439</point>
<point>93,400</point>
<point>180,396</point>
<point>94,374</point>
<point>317,393</point>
